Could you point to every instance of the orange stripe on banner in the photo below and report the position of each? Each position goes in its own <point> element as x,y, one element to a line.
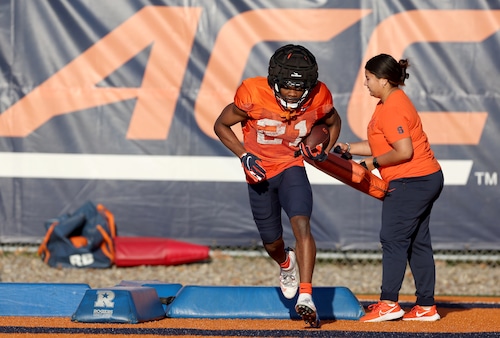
<point>398,32</point>
<point>230,52</point>
<point>74,87</point>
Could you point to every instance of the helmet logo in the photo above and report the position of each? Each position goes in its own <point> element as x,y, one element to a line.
<point>295,74</point>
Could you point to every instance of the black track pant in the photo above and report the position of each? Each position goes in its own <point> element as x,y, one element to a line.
<point>405,236</point>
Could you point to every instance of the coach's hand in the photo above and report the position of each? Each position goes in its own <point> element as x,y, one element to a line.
<point>253,167</point>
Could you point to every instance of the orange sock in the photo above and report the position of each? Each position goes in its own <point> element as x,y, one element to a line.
<point>306,288</point>
<point>286,263</point>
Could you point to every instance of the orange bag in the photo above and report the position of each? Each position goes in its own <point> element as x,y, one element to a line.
<point>353,174</point>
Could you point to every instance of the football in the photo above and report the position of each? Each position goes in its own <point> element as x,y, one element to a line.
<point>319,135</point>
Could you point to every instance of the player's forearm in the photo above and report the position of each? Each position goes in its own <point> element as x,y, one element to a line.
<point>334,133</point>
<point>229,117</point>
<point>229,139</point>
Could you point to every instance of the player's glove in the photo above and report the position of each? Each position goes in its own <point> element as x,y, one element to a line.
<point>316,154</point>
<point>253,167</point>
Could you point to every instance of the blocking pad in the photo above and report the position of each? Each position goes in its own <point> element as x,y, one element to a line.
<point>260,303</point>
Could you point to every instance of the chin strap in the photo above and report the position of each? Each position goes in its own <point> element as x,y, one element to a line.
<point>288,115</point>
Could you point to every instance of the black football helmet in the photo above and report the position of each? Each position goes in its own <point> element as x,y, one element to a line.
<point>292,66</point>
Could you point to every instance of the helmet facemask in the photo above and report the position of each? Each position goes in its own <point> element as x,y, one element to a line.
<point>291,103</point>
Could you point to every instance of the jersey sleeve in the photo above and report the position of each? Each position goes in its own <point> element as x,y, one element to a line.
<point>396,129</point>
<point>397,126</point>
<point>243,96</point>
<point>324,95</point>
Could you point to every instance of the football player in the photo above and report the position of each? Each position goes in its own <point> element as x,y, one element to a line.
<point>276,113</point>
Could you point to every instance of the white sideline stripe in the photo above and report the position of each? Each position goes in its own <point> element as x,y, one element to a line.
<point>162,168</point>
<point>456,172</point>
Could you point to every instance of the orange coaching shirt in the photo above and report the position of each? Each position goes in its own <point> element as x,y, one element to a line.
<point>392,121</point>
<point>269,136</point>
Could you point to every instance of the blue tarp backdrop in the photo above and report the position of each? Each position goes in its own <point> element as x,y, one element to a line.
<point>114,102</point>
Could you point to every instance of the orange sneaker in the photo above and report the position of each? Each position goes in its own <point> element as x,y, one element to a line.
<point>381,312</point>
<point>421,314</point>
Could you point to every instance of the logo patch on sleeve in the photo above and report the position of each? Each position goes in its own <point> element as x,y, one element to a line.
<point>400,130</point>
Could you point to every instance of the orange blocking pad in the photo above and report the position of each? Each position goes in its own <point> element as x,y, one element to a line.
<point>353,174</point>
<point>254,302</point>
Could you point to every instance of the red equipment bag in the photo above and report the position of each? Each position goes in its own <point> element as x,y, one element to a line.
<point>134,251</point>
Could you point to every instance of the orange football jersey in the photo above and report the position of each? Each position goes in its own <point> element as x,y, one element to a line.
<point>269,136</point>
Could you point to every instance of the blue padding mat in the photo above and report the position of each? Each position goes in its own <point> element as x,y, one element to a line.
<point>256,302</point>
<point>119,304</point>
<point>164,290</point>
<point>40,299</point>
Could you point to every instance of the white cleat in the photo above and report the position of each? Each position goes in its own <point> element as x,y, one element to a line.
<point>289,282</point>
<point>307,310</point>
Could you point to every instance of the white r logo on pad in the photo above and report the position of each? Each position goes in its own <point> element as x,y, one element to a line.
<point>105,299</point>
